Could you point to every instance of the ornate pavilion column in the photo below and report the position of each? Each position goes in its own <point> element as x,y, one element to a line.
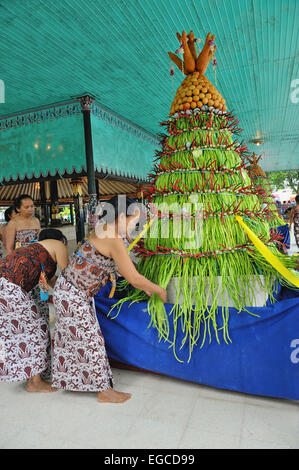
<point>86,102</point>
<point>43,202</point>
<point>76,184</point>
<point>55,220</point>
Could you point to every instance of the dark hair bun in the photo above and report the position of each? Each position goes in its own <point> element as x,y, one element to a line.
<point>112,208</point>
<point>8,213</point>
<point>52,234</point>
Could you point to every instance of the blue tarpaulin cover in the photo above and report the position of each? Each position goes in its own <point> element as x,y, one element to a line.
<point>284,231</point>
<point>262,358</point>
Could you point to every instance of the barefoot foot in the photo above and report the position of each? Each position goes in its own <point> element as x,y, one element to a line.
<point>36,384</point>
<point>112,396</point>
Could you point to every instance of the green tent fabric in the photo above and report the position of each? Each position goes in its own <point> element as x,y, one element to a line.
<point>51,55</point>
<point>42,144</point>
<point>120,147</point>
<point>51,141</point>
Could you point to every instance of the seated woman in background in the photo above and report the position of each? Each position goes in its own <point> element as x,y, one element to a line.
<point>24,328</point>
<point>20,232</point>
<point>80,361</point>
<point>24,228</point>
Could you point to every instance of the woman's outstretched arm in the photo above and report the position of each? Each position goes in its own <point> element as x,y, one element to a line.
<point>127,269</point>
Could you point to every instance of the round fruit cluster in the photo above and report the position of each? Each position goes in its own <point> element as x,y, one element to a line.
<point>195,92</point>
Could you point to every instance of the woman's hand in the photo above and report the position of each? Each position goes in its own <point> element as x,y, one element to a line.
<point>162,294</point>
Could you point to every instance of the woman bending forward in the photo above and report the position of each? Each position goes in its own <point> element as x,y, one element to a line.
<point>25,344</point>
<point>80,361</point>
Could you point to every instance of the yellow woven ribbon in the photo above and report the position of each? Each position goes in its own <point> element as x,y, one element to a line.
<point>268,255</point>
<point>145,229</point>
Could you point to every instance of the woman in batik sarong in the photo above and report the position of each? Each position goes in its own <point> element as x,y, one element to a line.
<point>24,228</point>
<point>25,345</point>
<point>294,219</point>
<point>80,361</point>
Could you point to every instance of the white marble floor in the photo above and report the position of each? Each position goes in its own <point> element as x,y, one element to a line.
<point>163,413</point>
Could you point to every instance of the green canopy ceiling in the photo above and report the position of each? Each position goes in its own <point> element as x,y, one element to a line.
<point>54,51</point>
<point>50,142</point>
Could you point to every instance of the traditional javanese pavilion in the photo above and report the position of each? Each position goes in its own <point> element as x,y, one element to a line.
<point>64,152</point>
<point>83,86</point>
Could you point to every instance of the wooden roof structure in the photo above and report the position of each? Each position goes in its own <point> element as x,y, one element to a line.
<point>107,188</point>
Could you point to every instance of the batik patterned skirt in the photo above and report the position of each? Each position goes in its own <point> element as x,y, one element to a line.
<point>25,345</point>
<point>79,361</point>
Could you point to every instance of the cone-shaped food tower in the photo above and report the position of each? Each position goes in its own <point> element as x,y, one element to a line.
<point>195,247</point>
<point>260,180</point>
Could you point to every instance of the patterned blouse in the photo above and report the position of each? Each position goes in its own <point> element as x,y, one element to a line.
<point>25,237</point>
<point>23,266</point>
<point>89,270</point>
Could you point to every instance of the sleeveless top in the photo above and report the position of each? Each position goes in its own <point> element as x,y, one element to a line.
<point>23,266</point>
<point>89,270</point>
<point>25,237</point>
